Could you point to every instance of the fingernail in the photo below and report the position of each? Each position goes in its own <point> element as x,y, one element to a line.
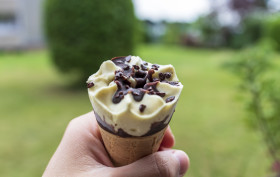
<point>183,160</point>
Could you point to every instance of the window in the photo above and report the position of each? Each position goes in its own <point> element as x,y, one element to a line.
<point>7,24</point>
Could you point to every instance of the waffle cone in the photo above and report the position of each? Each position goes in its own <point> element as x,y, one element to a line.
<point>124,151</point>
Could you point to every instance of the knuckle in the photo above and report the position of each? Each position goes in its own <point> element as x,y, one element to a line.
<point>72,123</point>
<point>72,126</point>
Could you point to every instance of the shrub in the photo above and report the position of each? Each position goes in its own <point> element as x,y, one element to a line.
<point>272,29</point>
<point>260,82</point>
<point>81,34</point>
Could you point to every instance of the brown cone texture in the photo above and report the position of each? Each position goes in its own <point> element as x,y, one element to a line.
<point>124,151</point>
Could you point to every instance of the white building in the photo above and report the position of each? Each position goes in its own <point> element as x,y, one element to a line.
<point>21,24</point>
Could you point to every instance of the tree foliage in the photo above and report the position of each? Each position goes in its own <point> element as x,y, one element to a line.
<point>272,30</point>
<point>245,6</point>
<point>81,34</point>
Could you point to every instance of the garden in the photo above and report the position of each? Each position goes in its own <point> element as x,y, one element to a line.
<point>227,118</point>
<point>37,104</point>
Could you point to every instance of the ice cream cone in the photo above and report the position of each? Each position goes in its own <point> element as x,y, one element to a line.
<point>133,101</point>
<point>124,151</point>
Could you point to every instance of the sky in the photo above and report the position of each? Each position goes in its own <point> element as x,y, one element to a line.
<point>171,10</point>
<point>183,10</point>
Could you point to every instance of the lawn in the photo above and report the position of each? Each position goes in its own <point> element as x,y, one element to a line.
<point>37,104</point>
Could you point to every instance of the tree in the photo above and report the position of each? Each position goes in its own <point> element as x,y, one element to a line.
<point>81,34</point>
<point>243,7</point>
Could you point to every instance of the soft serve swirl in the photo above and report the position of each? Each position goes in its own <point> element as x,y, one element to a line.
<point>133,97</point>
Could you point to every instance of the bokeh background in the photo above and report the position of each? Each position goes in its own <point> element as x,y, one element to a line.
<point>48,48</point>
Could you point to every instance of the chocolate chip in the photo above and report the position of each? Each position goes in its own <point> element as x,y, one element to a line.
<point>150,89</point>
<point>140,82</point>
<point>136,67</point>
<point>169,99</point>
<point>141,74</point>
<point>144,67</point>
<point>150,75</point>
<point>89,85</point>
<point>120,95</point>
<point>142,107</point>
<point>118,74</point>
<point>134,92</point>
<point>128,58</point>
<point>141,77</point>
<point>167,75</point>
<point>161,76</point>
<point>173,83</point>
<point>155,66</point>
<point>161,94</point>
<point>127,82</point>
<point>126,67</point>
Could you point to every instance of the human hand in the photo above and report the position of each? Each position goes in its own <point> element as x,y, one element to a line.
<point>82,153</point>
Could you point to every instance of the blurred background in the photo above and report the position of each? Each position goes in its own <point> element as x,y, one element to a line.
<point>226,54</point>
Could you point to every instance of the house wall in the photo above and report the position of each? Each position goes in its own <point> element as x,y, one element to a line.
<point>25,30</point>
<point>31,17</point>
<point>9,34</point>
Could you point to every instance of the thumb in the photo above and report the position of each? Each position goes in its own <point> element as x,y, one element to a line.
<point>169,163</point>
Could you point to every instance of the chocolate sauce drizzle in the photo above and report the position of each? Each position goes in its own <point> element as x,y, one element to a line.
<point>155,127</point>
<point>141,75</point>
<point>145,84</point>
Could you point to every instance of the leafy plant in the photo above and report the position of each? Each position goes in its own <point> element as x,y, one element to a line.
<point>256,70</point>
<point>81,34</point>
<point>272,30</point>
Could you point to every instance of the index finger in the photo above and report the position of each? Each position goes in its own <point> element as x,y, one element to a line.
<point>168,139</point>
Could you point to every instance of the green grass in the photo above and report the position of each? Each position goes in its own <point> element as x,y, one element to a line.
<point>36,106</point>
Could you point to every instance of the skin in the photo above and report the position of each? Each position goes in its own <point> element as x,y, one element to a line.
<point>81,153</point>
